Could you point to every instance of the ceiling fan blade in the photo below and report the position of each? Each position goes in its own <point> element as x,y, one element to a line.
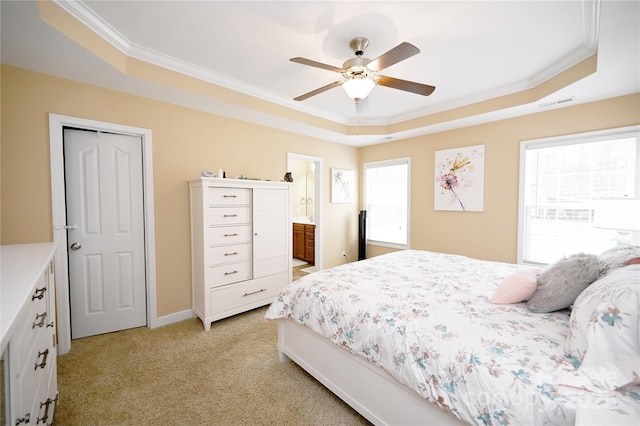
<point>317,91</point>
<point>407,86</point>
<point>311,63</point>
<point>399,53</point>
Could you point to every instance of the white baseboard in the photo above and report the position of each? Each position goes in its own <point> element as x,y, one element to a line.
<point>172,318</point>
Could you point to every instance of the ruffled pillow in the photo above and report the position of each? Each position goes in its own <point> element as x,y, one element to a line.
<point>516,287</point>
<point>560,283</point>
<point>603,336</point>
<point>616,257</point>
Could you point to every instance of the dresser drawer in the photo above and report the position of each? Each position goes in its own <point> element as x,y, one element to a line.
<point>226,235</point>
<point>232,296</point>
<point>35,376</point>
<point>32,325</point>
<point>228,254</point>
<point>230,273</point>
<point>227,215</point>
<point>227,196</point>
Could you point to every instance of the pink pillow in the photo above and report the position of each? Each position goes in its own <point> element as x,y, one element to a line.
<point>516,287</point>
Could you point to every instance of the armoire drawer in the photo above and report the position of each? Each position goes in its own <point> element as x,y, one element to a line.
<point>226,235</point>
<point>228,196</point>
<point>230,273</point>
<point>233,296</point>
<point>229,254</point>
<point>228,215</point>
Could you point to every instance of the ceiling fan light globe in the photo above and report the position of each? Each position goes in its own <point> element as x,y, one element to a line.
<point>358,88</point>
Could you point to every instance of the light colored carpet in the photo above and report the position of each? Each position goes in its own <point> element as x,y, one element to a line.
<point>179,374</point>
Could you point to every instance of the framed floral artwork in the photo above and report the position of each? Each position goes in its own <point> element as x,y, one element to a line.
<point>459,179</point>
<point>342,185</point>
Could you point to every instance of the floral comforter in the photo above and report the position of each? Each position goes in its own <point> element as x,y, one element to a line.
<point>426,319</point>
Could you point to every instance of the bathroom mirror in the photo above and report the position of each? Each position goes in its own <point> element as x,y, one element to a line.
<point>304,190</point>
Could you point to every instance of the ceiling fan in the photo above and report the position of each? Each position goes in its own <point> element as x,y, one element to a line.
<point>361,74</point>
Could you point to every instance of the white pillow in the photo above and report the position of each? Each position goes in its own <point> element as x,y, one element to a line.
<point>616,257</point>
<point>603,336</point>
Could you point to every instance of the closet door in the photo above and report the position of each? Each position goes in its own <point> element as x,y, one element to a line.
<point>270,232</point>
<point>107,272</point>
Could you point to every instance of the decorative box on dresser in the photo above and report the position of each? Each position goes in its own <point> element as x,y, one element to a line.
<point>28,352</point>
<point>240,245</point>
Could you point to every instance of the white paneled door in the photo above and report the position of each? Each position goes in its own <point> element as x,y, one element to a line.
<point>105,216</point>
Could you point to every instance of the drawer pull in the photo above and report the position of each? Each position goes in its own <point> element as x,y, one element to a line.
<point>42,317</point>
<point>231,235</point>
<point>24,419</point>
<point>231,254</point>
<point>230,215</point>
<point>39,293</point>
<point>231,273</point>
<point>44,359</point>
<point>46,405</point>
<point>229,196</point>
<point>254,292</point>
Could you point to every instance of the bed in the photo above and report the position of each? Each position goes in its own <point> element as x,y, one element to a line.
<point>412,337</point>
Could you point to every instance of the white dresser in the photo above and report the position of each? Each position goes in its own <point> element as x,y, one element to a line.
<point>240,245</point>
<point>28,351</point>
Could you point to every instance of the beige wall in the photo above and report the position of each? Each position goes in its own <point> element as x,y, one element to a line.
<point>185,142</point>
<point>491,234</point>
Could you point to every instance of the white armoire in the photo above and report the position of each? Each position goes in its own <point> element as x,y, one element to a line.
<point>240,245</point>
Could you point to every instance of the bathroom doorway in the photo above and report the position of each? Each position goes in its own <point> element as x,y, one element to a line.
<point>306,212</point>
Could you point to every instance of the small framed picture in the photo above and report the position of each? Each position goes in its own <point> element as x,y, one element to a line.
<point>342,185</point>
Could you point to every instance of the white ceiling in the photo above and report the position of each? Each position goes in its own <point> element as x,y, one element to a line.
<point>470,50</point>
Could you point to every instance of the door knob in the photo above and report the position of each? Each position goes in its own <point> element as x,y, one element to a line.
<point>76,246</point>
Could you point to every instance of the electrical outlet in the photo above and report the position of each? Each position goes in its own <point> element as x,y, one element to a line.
<point>344,253</point>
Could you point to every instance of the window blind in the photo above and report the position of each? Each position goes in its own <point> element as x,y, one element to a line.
<point>560,181</point>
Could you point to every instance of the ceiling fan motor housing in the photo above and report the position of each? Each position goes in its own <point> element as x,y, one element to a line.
<point>357,67</point>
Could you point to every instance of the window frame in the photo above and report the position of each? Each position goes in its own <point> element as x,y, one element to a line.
<point>565,140</point>
<point>388,163</point>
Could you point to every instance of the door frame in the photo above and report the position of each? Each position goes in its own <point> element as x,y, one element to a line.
<point>59,216</point>
<point>318,240</point>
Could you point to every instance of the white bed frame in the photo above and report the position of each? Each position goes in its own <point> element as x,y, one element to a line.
<point>371,391</point>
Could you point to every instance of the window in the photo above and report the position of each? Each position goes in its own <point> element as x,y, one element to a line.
<point>386,199</point>
<point>560,178</point>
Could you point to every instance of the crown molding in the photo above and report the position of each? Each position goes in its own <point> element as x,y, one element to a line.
<point>80,11</point>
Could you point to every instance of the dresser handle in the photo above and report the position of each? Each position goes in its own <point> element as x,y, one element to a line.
<point>230,215</point>
<point>231,273</point>
<point>229,196</point>
<point>46,404</point>
<point>39,293</point>
<point>231,254</point>
<point>254,292</point>
<point>44,359</point>
<point>231,235</point>
<point>25,419</point>
<point>42,317</point>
